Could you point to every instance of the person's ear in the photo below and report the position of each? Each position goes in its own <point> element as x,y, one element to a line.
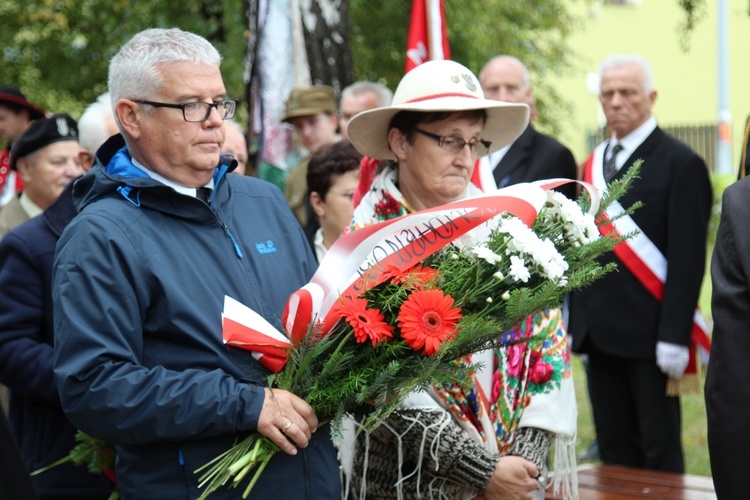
<point>129,114</point>
<point>23,166</point>
<point>86,159</point>
<point>398,142</point>
<point>334,122</point>
<point>318,204</point>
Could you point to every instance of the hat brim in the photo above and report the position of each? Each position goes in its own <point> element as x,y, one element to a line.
<point>305,112</point>
<point>34,111</point>
<point>368,130</point>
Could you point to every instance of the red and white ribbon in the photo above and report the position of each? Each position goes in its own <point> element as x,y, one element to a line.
<point>242,327</point>
<point>483,178</point>
<point>359,259</point>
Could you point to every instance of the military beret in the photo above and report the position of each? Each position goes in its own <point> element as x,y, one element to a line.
<point>310,101</point>
<point>13,95</point>
<point>43,132</point>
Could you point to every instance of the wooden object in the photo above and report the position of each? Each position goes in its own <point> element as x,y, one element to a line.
<point>608,482</point>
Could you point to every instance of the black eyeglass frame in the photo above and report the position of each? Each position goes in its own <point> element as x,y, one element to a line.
<point>182,107</point>
<point>440,139</point>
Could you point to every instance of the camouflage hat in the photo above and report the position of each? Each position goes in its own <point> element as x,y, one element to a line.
<point>43,132</point>
<point>310,101</point>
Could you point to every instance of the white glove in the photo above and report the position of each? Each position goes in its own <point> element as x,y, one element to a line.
<point>672,358</point>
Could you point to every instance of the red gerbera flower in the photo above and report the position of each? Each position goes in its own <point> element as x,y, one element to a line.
<point>426,319</point>
<point>417,275</point>
<point>391,272</point>
<point>367,323</point>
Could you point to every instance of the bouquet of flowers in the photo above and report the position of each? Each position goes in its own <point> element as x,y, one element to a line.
<point>96,455</point>
<point>427,289</point>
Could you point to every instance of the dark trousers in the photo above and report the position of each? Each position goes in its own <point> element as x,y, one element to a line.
<point>15,483</point>
<point>637,425</point>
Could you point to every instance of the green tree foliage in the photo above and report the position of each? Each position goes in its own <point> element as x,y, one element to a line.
<point>57,51</point>
<point>533,31</point>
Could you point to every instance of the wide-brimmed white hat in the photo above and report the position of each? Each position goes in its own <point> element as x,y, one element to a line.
<point>437,86</point>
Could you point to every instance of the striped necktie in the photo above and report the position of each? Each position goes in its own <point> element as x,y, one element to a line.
<point>610,166</point>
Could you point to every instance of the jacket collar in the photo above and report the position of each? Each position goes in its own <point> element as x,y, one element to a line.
<point>61,211</point>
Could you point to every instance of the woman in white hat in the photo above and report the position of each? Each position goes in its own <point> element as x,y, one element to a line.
<point>436,128</point>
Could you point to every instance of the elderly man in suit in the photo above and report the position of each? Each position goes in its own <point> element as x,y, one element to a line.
<point>637,335</point>
<point>533,156</point>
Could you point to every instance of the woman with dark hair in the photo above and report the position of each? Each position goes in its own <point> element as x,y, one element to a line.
<point>332,176</point>
<point>490,437</point>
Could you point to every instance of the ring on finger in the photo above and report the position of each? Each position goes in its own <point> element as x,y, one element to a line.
<point>286,427</point>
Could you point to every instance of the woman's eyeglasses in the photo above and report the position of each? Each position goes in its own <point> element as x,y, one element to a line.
<point>454,144</point>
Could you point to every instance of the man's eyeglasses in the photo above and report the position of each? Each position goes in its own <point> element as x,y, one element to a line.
<point>195,112</point>
<point>454,144</point>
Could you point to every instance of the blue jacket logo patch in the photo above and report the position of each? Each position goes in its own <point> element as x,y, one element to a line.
<point>266,247</point>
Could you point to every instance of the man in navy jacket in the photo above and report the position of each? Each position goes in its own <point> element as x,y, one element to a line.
<point>141,275</point>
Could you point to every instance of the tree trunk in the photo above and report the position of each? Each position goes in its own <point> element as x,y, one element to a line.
<point>326,28</point>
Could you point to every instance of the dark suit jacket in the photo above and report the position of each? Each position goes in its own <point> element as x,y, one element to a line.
<point>617,313</point>
<point>727,391</point>
<point>534,156</point>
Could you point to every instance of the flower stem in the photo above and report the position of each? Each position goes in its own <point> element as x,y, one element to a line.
<point>257,474</point>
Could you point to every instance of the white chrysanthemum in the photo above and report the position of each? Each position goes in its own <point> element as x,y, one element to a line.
<point>518,269</point>
<point>521,235</point>
<point>579,228</point>
<point>485,253</point>
<point>552,263</point>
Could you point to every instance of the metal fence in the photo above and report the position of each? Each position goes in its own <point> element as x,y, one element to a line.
<point>700,138</point>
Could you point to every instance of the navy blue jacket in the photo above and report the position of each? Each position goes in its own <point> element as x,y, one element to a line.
<point>139,285</point>
<point>43,433</point>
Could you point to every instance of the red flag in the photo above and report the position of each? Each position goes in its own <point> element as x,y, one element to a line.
<point>428,33</point>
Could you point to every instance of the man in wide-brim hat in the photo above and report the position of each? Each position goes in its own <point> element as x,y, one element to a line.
<point>16,114</point>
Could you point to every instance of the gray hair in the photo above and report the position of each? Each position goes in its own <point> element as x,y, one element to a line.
<point>620,60</point>
<point>134,70</point>
<point>233,124</point>
<point>382,93</point>
<point>92,130</point>
<point>525,70</point>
